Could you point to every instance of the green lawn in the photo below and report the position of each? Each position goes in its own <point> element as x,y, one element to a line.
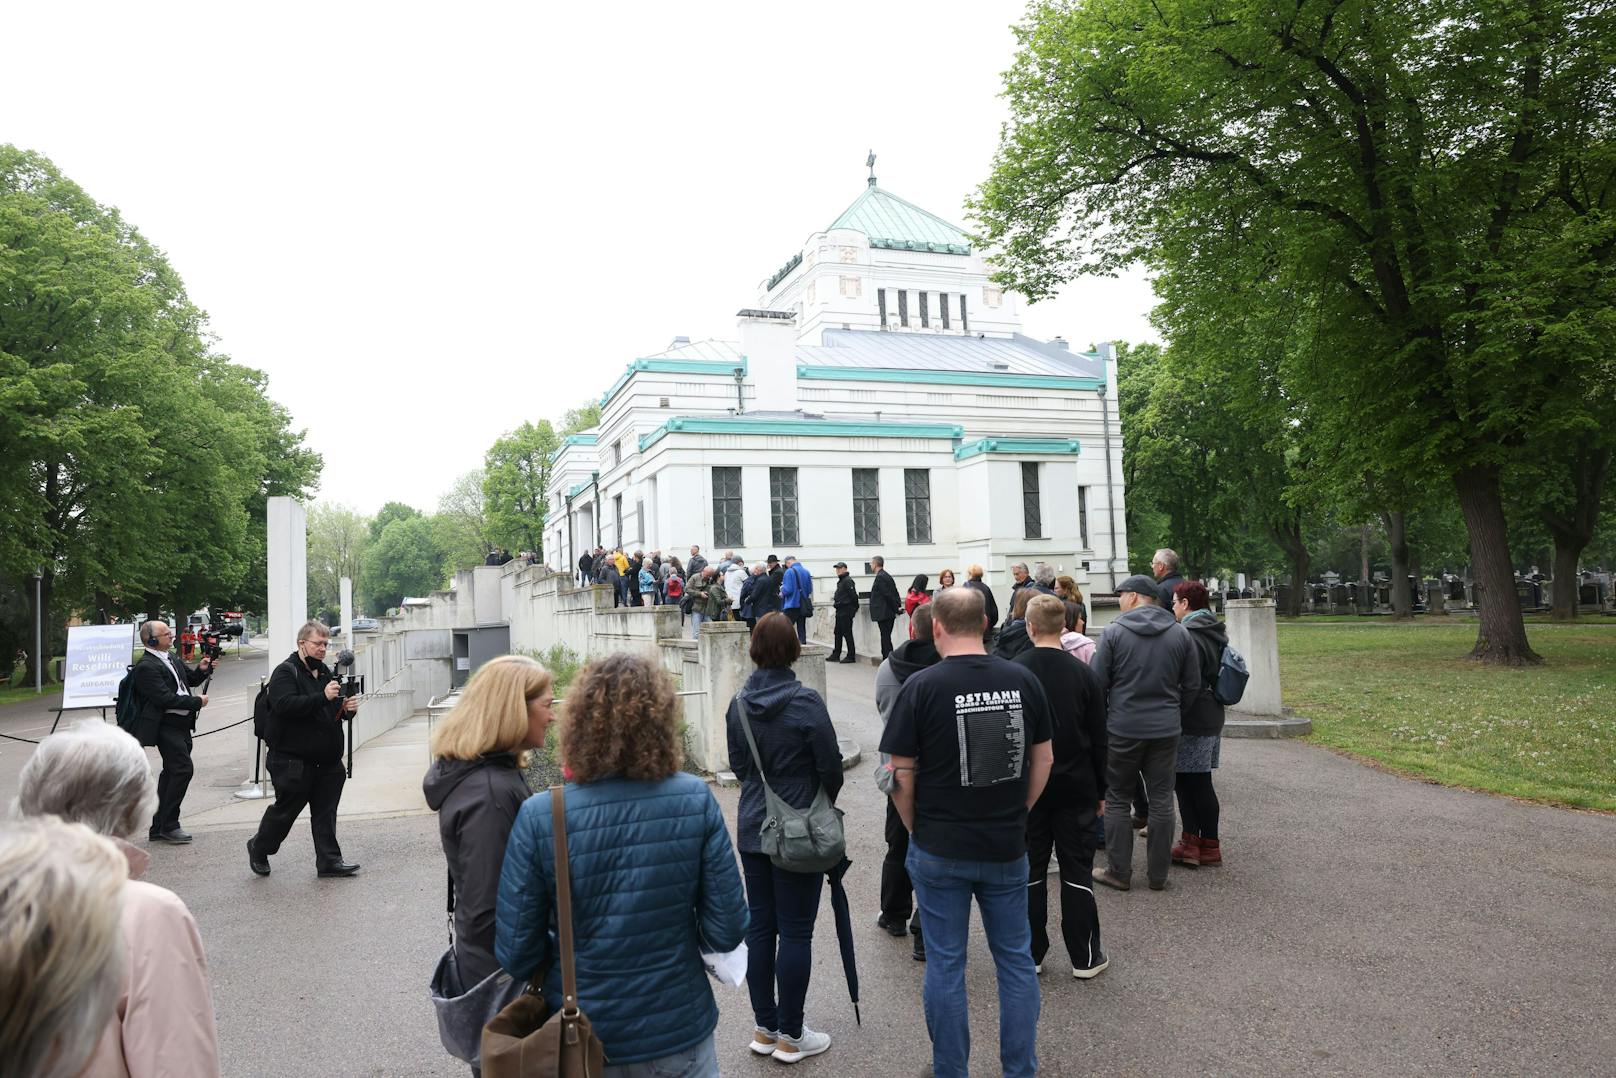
<point>1405,696</point>
<point>20,694</point>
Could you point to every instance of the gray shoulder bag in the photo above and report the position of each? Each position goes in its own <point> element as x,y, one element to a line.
<point>798,841</point>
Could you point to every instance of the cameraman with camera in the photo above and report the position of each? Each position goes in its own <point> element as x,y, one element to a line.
<point>306,707</point>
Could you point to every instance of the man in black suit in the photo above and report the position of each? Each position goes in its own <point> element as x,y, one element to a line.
<point>169,707</point>
<point>884,602</point>
<point>846,604</point>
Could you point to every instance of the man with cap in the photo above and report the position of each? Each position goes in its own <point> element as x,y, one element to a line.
<point>1147,665</point>
<point>846,603</point>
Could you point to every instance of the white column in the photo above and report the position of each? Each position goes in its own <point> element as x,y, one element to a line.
<point>288,577</point>
<point>1254,633</point>
<point>346,588</point>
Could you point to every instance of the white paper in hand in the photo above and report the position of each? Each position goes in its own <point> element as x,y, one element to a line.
<point>729,967</point>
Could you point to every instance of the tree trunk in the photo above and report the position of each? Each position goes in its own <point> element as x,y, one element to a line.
<point>1397,542</point>
<point>1288,536</point>
<point>1573,530</point>
<point>1501,639</point>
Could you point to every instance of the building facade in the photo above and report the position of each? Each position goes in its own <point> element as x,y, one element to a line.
<point>879,398</point>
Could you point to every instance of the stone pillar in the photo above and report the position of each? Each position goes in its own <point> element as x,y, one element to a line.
<point>345,587</point>
<point>1436,600</point>
<point>1254,633</point>
<point>725,666</point>
<point>288,577</point>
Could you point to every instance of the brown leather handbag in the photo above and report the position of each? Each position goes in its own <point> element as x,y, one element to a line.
<point>525,1040</point>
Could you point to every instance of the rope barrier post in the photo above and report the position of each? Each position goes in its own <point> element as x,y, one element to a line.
<point>254,790</point>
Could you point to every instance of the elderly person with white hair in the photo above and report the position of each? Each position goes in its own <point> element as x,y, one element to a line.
<point>162,1023</point>
<point>61,950</point>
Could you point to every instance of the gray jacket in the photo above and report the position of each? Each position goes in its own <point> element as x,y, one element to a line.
<point>1150,671</point>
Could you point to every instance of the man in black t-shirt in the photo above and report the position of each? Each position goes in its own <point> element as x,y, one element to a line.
<point>1063,818</point>
<point>970,744</point>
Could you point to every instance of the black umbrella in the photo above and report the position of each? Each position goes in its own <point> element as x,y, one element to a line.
<point>844,932</point>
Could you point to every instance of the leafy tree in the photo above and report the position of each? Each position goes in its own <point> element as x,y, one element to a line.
<point>581,418</point>
<point>516,478</point>
<point>404,560</point>
<point>387,514</point>
<point>338,537</point>
<point>461,523</point>
<point>1444,169</point>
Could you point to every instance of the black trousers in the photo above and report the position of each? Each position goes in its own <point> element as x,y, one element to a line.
<point>300,782</point>
<point>1198,803</point>
<point>897,892</point>
<point>885,625</point>
<point>844,632</point>
<point>174,746</point>
<point>1065,824</point>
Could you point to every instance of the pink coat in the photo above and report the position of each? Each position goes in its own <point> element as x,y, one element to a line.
<point>1079,645</point>
<point>163,1024</point>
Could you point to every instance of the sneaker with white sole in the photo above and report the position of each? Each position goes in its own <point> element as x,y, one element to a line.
<point>811,1043</point>
<point>1093,971</point>
<point>764,1041</point>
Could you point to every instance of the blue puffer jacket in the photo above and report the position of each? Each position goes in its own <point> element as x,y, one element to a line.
<point>654,883</point>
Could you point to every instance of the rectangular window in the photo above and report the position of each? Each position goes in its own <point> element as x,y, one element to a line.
<point>1032,518</point>
<point>617,516</point>
<point>942,305</point>
<point>965,319</point>
<point>881,302</point>
<point>639,517</point>
<point>866,506</point>
<point>917,504</point>
<point>727,507</point>
<point>925,317</point>
<point>617,453</point>
<point>783,506</point>
<point>903,307</point>
<point>1083,515</point>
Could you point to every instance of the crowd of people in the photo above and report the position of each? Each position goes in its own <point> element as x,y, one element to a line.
<point>1003,748</point>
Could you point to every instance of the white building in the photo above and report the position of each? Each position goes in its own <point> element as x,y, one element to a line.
<point>880,399</point>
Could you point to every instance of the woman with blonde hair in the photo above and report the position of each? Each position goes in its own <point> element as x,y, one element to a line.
<point>61,947</point>
<point>475,785</point>
<point>1066,590</point>
<point>654,881</point>
<point>162,1021</point>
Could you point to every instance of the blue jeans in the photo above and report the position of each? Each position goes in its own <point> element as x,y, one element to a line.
<point>943,891</point>
<point>779,941</point>
<point>696,618</point>
<point>700,1061</point>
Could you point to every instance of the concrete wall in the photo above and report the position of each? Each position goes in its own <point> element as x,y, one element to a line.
<point>1254,633</point>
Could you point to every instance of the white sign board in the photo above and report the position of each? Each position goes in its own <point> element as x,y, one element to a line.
<point>97,658</point>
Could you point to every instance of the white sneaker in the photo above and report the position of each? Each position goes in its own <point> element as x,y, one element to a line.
<point>764,1041</point>
<point>791,1049</point>
<point>1038,968</point>
<point>1093,971</point>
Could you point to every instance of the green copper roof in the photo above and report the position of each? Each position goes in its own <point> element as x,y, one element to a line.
<point>897,225</point>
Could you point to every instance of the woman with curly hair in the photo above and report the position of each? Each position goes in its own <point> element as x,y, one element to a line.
<point>797,745</point>
<point>653,875</point>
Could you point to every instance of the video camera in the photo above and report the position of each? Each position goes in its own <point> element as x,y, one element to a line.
<point>210,643</point>
<point>351,684</point>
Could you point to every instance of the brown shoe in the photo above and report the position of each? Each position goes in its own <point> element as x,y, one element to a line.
<point>1211,853</point>
<point>1187,851</point>
<point>1105,876</point>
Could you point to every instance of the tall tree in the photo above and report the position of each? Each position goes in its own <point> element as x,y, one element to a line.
<point>338,537</point>
<point>583,417</point>
<point>516,479</point>
<point>462,522</point>
<point>1412,157</point>
<point>405,560</point>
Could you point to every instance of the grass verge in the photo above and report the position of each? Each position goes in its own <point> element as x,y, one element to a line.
<point>1405,696</point>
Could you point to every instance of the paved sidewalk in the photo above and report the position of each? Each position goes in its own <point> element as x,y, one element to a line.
<point>1363,924</point>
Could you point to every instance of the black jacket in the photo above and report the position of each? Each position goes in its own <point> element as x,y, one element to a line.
<point>159,693</point>
<point>476,802</point>
<point>1167,584</point>
<point>302,722</point>
<point>1013,640</point>
<point>795,739</point>
<point>585,564</point>
<point>885,601</point>
<point>846,597</point>
<point>990,605</point>
<point>1205,715</point>
<point>766,592</point>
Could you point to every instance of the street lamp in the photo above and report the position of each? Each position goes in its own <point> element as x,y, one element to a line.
<point>39,631</point>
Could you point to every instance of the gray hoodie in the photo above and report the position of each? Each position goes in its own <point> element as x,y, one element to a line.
<point>1151,673</point>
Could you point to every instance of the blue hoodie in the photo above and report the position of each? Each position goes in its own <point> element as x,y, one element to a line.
<point>794,737</point>
<point>795,584</point>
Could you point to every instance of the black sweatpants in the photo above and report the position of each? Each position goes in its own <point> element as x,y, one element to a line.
<point>1198,803</point>
<point>174,746</point>
<point>897,892</point>
<point>1063,821</point>
<point>300,782</point>
<point>844,634</point>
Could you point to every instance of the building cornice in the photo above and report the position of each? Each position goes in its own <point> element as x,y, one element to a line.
<point>1018,447</point>
<point>813,428</point>
<point>673,366</point>
<point>949,378</point>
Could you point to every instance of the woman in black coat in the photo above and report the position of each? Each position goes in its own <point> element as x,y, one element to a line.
<point>797,745</point>
<point>1200,742</point>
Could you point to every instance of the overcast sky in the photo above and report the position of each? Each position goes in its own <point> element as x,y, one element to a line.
<point>428,224</point>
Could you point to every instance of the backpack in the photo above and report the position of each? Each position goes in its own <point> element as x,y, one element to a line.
<point>676,587</point>
<point>808,840</point>
<point>261,713</point>
<point>1230,683</point>
<point>129,708</point>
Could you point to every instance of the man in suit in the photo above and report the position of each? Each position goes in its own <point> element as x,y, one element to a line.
<point>169,706</point>
<point>884,602</point>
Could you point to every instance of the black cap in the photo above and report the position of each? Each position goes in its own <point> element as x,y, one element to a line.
<point>771,557</point>
<point>840,565</point>
<point>1142,585</point>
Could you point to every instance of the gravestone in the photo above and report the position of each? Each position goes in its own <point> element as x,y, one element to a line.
<point>1435,599</point>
